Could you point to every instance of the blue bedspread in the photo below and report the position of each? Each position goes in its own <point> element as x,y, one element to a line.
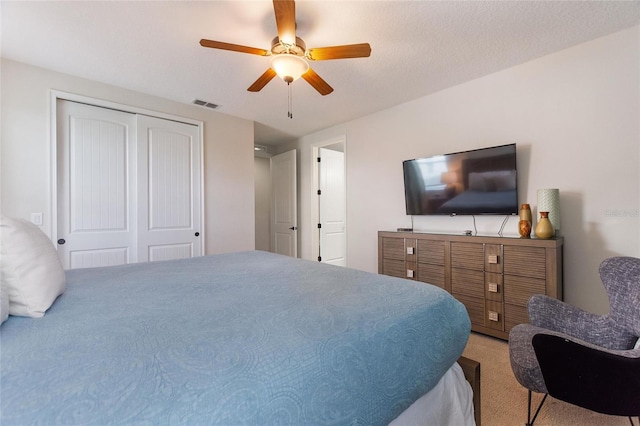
<point>245,338</point>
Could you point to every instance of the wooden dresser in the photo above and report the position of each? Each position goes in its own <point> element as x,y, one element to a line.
<point>492,276</point>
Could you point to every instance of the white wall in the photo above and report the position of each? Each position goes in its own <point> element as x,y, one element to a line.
<point>575,117</point>
<point>263,199</point>
<point>26,142</point>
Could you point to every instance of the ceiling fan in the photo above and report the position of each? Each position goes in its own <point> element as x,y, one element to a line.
<point>289,53</point>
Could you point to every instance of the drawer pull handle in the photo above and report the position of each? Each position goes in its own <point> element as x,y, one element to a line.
<point>492,258</point>
<point>493,316</point>
<point>492,287</point>
<point>409,273</point>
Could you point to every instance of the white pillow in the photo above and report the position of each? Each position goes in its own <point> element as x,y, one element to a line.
<point>30,268</point>
<point>4,302</point>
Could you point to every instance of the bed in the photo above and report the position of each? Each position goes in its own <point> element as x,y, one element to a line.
<point>242,338</point>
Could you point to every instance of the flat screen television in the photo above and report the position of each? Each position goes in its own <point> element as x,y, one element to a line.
<point>476,182</point>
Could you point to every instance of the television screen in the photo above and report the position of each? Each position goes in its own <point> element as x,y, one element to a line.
<point>481,181</point>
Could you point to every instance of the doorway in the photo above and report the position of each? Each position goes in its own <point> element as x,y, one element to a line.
<point>328,206</point>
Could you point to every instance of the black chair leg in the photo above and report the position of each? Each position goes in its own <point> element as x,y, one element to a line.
<point>529,419</point>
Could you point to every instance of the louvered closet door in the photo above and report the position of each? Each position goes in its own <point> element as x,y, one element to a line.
<point>96,170</point>
<point>169,190</point>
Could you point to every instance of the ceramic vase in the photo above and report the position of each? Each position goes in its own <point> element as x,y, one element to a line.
<point>544,228</point>
<point>525,223</point>
<point>549,201</point>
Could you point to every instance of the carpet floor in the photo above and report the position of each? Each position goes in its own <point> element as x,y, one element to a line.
<point>504,400</point>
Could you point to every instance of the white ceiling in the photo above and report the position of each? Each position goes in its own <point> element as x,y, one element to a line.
<point>418,48</point>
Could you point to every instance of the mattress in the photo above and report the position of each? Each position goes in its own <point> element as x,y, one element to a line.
<point>241,338</point>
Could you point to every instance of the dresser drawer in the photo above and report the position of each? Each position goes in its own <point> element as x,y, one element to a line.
<point>494,315</point>
<point>432,274</point>
<point>514,315</point>
<point>525,261</point>
<point>431,252</point>
<point>518,290</point>
<point>467,256</point>
<point>493,287</point>
<point>467,282</point>
<point>393,248</point>
<point>475,308</point>
<point>394,268</point>
<point>493,258</point>
<point>410,249</point>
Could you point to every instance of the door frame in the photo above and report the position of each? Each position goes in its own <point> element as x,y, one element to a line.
<point>315,209</point>
<point>56,95</point>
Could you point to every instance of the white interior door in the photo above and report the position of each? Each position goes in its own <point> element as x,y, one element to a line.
<point>128,187</point>
<point>333,237</point>
<point>96,179</point>
<point>169,201</point>
<point>284,210</point>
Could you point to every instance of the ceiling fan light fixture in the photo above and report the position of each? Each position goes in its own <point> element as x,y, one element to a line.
<point>289,67</point>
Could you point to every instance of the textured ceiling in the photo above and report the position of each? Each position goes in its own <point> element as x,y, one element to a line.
<point>418,48</point>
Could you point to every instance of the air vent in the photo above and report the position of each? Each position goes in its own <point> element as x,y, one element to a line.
<point>261,151</point>
<point>205,104</point>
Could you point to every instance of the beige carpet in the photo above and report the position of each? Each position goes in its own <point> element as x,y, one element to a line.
<point>504,400</point>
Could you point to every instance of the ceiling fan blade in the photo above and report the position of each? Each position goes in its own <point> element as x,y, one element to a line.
<point>361,50</point>
<point>285,11</point>
<point>262,80</point>
<point>233,47</point>
<point>317,82</point>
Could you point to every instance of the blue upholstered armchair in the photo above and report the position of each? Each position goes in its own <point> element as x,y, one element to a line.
<point>585,359</point>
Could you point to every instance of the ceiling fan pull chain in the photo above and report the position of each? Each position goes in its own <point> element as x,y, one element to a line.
<point>290,114</point>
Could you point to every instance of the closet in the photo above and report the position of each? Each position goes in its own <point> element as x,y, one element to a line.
<point>128,187</point>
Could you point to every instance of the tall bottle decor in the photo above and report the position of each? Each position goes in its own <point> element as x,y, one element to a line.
<point>544,228</point>
<point>549,201</point>
<point>526,221</point>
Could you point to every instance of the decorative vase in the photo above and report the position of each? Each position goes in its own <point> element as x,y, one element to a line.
<point>549,201</point>
<point>526,221</point>
<point>524,227</point>
<point>544,228</point>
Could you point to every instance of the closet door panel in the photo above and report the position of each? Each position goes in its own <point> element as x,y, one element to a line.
<point>96,163</point>
<point>168,190</point>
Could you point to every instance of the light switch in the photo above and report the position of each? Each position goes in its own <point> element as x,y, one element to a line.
<point>409,250</point>
<point>36,219</point>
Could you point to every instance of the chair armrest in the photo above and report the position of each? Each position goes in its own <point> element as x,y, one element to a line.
<point>554,314</point>
<point>606,381</point>
<point>600,330</point>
